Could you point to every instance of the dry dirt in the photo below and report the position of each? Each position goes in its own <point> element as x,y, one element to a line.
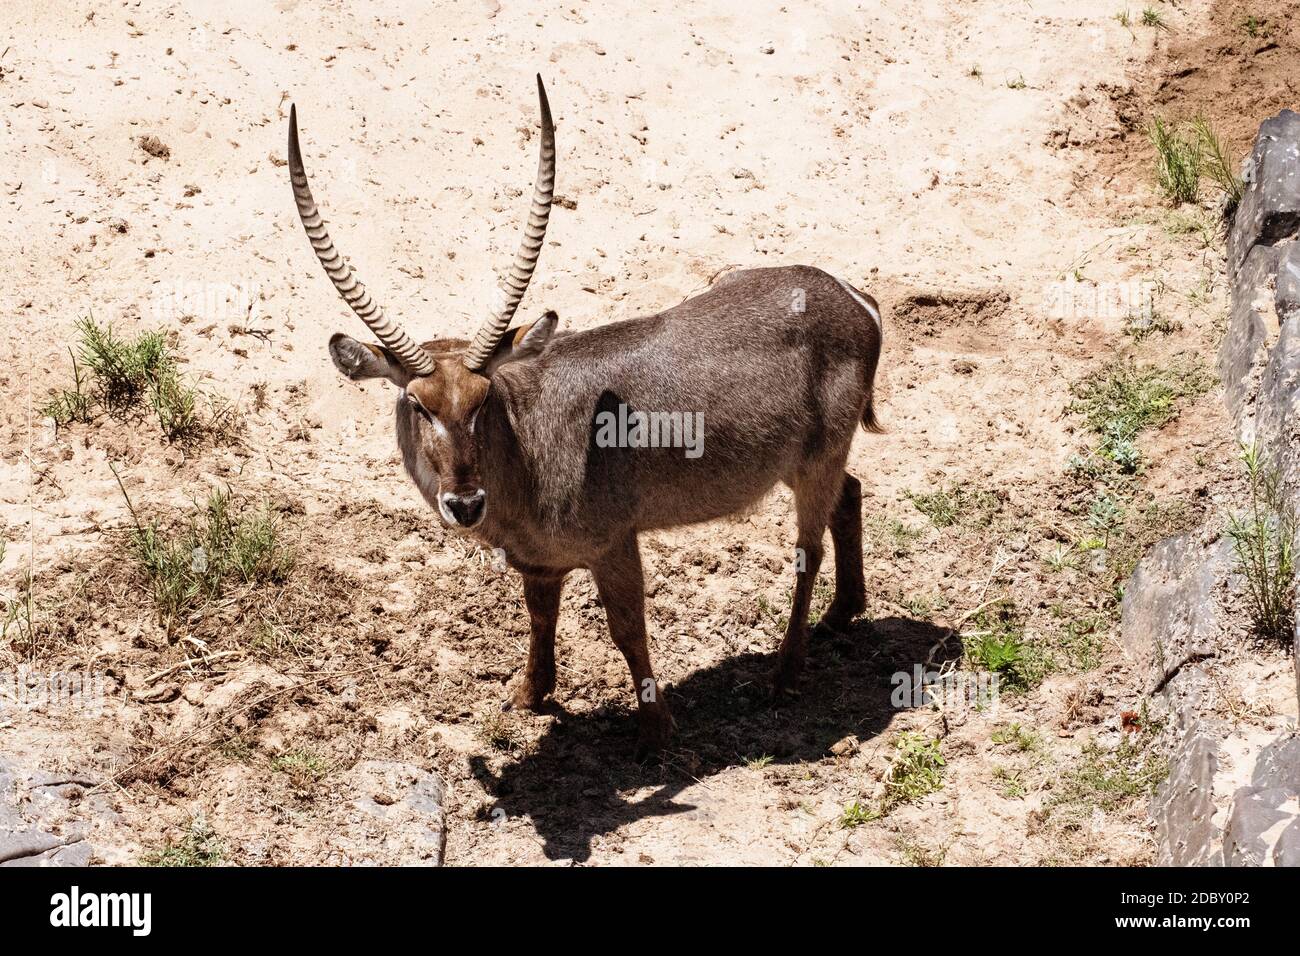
<point>959,160</point>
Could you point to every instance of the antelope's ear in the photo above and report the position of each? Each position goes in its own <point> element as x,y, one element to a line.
<point>525,342</point>
<point>359,360</point>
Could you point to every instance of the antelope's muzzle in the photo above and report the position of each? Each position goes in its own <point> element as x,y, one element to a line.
<point>463,510</point>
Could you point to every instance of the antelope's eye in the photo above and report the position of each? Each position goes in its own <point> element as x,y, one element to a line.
<point>415,403</point>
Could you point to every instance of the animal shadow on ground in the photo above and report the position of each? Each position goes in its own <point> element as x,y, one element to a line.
<point>572,783</point>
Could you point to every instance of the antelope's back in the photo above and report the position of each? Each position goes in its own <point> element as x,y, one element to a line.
<point>774,366</point>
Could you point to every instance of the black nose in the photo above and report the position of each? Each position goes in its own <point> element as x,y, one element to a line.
<point>467,509</point>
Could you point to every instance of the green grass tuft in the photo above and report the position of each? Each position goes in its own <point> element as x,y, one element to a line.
<point>124,376</point>
<point>997,645</point>
<point>1122,399</point>
<point>221,544</point>
<point>1214,156</point>
<point>1178,162</point>
<point>946,507</point>
<point>199,847</point>
<point>1263,537</point>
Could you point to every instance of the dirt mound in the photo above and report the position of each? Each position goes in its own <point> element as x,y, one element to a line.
<point>929,313</point>
<point>1235,69</point>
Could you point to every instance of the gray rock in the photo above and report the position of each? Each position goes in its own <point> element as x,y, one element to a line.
<point>1278,765</point>
<point>402,807</point>
<point>27,837</point>
<point>1170,618</point>
<point>1248,329</point>
<point>1287,295</point>
<point>1270,209</point>
<point>1287,850</point>
<point>1263,824</point>
<point>1277,404</point>
<point>1254,813</point>
<point>1183,806</point>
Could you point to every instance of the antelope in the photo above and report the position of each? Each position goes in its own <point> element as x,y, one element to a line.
<point>500,433</point>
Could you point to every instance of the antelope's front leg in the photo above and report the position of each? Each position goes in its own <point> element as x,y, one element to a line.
<point>542,596</point>
<point>621,586</point>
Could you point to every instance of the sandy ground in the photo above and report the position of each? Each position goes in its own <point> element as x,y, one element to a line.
<point>945,156</point>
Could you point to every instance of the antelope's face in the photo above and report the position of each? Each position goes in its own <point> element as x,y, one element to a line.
<point>444,383</point>
<point>438,413</point>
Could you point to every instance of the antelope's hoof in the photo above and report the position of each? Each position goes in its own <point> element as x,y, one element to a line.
<point>839,620</point>
<point>524,697</point>
<point>652,740</point>
<point>785,685</point>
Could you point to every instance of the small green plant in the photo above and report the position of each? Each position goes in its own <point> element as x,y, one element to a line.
<point>200,846</point>
<point>917,770</point>
<point>1106,779</point>
<point>1011,781</point>
<point>237,747</point>
<point>69,405</point>
<point>855,815</point>
<point>1191,221</point>
<point>175,405</point>
<point>1263,537</point>
<point>915,853</point>
<point>923,606</point>
<point>1122,399</point>
<point>498,733</point>
<point>1019,738</point>
<point>1253,26</point>
<point>997,645</point>
<point>1124,19</point>
<point>1152,18</point>
<point>1117,444</point>
<point>1059,558</point>
<point>275,638</point>
<point>18,625</point>
<point>758,763</point>
<point>1178,162</point>
<point>122,369</point>
<point>1080,643</point>
<point>1099,782</point>
<point>1105,514</point>
<point>1141,327</point>
<point>304,768</point>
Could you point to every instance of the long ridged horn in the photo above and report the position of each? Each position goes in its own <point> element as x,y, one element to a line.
<point>516,281</point>
<point>415,359</point>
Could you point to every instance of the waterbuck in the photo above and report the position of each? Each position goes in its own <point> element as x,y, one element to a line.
<point>506,435</point>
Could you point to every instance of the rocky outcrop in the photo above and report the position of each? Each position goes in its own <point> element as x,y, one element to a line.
<point>1172,618</point>
<point>35,829</point>
<point>1264,825</point>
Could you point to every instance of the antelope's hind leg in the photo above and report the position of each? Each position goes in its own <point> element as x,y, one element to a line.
<point>846,532</point>
<point>542,596</point>
<point>816,494</point>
